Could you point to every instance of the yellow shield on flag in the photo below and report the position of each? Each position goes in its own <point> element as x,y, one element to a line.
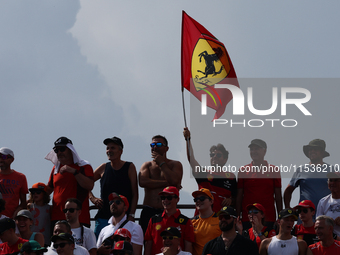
<point>209,63</point>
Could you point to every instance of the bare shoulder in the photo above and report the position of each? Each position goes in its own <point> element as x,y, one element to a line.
<point>145,166</point>
<point>174,163</point>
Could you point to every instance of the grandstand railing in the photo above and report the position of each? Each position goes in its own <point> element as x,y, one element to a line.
<point>140,207</point>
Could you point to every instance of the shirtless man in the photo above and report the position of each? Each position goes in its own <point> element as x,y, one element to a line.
<point>154,176</point>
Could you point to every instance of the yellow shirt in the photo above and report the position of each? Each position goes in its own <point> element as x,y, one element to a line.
<point>205,230</point>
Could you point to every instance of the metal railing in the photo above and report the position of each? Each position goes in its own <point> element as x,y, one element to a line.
<point>140,207</point>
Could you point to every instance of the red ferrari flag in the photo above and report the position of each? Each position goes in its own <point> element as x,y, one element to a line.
<point>205,62</point>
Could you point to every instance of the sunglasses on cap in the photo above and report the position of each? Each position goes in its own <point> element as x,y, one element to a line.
<point>168,197</point>
<point>69,209</point>
<point>61,149</point>
<point>299,210</point>
<point>169,237</point>
<point>254,211</point>
<point>157,145</point>
<point>4,157</point>
<point>202,198</point>
<point>61,245</point>
<point>38,191</point>
<point>117,202</point>
<point>224,216</point>
<point>218,155</point>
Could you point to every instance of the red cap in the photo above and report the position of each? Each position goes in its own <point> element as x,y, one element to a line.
<point>123,232</point>
<point>257,206</point>
<point>170,190</point>
<point>124,199</point>
<point>306,204</point>
<point>38,185</point>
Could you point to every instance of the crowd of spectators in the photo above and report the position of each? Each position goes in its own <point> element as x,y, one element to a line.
<point>242,215</point>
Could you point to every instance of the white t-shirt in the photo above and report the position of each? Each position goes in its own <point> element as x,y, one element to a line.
<point>89,239</point>
<point>330,207</point>
<point>283,247</point>
<point>78,250</point>
<point>137,236</point>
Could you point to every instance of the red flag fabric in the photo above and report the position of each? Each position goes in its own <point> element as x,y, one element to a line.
<point>205,62</point>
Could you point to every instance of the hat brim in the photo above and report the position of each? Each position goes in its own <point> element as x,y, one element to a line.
<point>307,147</point>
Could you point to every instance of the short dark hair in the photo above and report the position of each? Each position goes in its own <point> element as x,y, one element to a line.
<point>76,201</point>
<point>221,148</point>
<point>163,137</point>
<point>65,223</point>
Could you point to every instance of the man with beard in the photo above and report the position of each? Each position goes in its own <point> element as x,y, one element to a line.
<point>118,207</point>
<point>155,175</point>
<point>13,185</point>
<point>221,184</point>
<point>229,241</point>
<point>284,243</point>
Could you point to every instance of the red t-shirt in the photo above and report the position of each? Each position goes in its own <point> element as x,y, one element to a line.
<point>6,249</point>
<point>257,189</point>
<point>11,186</point>
<point>221,185</point>
<point>158,223</point>
<point>266,232</point>
<point>65,186</point>
<point>318,249</point>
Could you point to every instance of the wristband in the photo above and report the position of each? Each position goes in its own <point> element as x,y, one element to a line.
<point>160,165</point>
<point>75,173</point>
<point>188,139</point>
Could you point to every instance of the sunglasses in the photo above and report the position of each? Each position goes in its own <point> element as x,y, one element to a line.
<point>168,197</point>
<point>117,202</point>
<point>36,192</point>
<point>61,245</point>
<point>169,237</point>
<point>253,211</point>
<point>61,149</point>
<point>202,198</point>
<point>224,216</point>
<point>4,157</point>
<point>157,145</point>
<point>305,210</point>
<point>69,209</point>
<point>218,155</point>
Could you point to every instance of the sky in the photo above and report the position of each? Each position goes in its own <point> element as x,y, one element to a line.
<point>90,70</point>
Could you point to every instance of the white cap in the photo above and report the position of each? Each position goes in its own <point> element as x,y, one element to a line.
<point>6,151</point>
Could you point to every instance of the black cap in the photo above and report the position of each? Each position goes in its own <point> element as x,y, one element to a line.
<point>228,210</point>
<point>63,236</point>
<point>172,231</point>
<point>5,224</point>
<point>115,140</point>
<point>62,141</point>
<point>259,143</point>
<point>286,213</point>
